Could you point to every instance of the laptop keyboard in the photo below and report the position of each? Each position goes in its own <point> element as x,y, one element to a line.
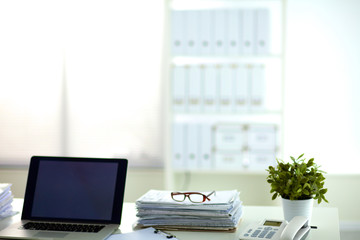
<point>65,227</point>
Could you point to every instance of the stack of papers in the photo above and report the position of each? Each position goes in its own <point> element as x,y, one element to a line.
<point>157,209</point>
<point>6,199</point>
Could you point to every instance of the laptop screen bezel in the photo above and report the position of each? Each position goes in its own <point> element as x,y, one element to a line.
<point>118,196</point>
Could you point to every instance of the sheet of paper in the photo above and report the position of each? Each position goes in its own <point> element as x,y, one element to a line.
<point>143,234</point>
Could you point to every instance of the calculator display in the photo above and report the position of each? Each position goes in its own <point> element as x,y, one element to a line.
<point>272,223</point>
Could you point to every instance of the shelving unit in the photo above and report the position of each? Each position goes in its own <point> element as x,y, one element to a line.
<point>224,75</point>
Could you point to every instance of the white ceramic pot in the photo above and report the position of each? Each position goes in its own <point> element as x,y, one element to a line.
<point>294,208</point>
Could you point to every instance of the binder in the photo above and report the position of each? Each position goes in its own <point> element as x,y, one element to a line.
<point>226,89</point>
<point>205,132</point>
<point>194,89</point>
<point>178,145</point>
<point>192,32</point>
<point>192,146</point>
<point>206,32</point>
<point>240,74</point>
<point>257,87</point>
<point>177,32</point>
<point>179,88</point>
<point>248,31</point>
<point>262,42</point>
<point>220,32</point>
<point>210,89</point>
<point>234,31</point>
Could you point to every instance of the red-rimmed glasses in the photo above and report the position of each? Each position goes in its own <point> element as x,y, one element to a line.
<point>194,197</point>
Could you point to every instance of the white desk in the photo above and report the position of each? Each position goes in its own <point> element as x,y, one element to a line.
<point>326,220</point>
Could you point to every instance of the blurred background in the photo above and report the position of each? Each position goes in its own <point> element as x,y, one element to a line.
<point>95,78</point>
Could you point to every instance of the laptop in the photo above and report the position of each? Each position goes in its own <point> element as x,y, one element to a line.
<point>71,198</point>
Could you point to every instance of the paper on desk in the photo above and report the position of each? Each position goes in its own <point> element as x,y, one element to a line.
<point>4,188</point>
<point>157,208</point>
<point>143,234</point>
<point>6,199</point>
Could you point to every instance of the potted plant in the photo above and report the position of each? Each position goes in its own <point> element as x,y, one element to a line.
<point>298,183</point>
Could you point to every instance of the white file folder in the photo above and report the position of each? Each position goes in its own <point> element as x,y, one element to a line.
<point>194,89</point>
<point>192,146</point>
<point>191,32</point>
<point>179,88</point>
<point>260,160</point>
<point>226,89</point>
<point>258,90</point>
<point>241,86</point>
<point>178,146</point>
<point>262,42</point>
<point>234,31</point>
<point>205,131</point>
<point>220,32</point>
<point>228,161</point>
<point>206,32</point>
<point>229,138</point>
<point>248,28</point>
<point>228,147</point>
<point>177,32</point>
<point>262,137</point>
<point>210,89</point>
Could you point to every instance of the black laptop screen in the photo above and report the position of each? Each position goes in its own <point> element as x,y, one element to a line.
<point>75,190</point>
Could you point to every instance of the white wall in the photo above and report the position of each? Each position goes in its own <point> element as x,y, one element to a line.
<point>322,82</point>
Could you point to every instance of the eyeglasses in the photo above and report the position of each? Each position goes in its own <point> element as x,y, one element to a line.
<point>194,197</point>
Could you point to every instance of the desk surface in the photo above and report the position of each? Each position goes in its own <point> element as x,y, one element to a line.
<point>326,220</point>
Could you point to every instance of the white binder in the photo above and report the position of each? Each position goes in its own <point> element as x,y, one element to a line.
<point>179,88</point>
<point>177,32</point>
<point>248,31</point>
<point>205,130</point>
<point>262,42</point>
<point>241,87</point>
<point>194,89</point>
<point>210,89</point>
<point>226,89</point>
<point>258,90</point>
<point>192,32</point>
<point>220,32</point>
<point>206,32</point>
<point>192,146</point>
<point>234,31</point>
<point>178,146</point>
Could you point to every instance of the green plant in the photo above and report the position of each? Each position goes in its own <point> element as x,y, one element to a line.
<point>297,180</point>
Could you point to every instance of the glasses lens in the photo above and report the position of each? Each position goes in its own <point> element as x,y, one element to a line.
<point>196,198</point>
<point>178,197</point>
